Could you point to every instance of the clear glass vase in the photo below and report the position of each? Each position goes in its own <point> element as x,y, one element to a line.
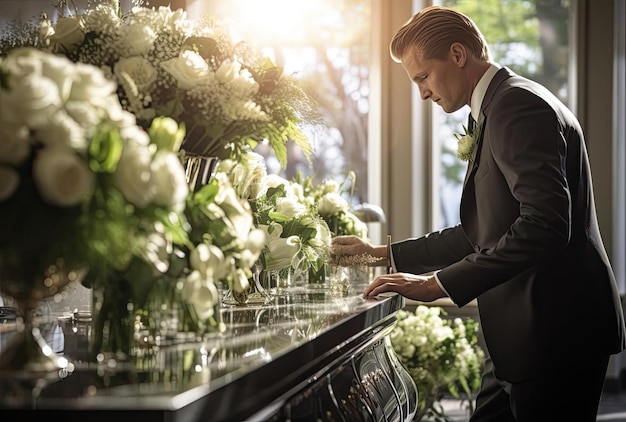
<point>27,358</point>
<point>255,294</point>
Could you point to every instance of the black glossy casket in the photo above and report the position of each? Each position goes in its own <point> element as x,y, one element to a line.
<point>312,354</point>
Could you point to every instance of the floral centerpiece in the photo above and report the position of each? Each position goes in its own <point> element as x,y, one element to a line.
<point>225,242</point>
<point>229,96</point>
<point>83,187</point>
<point>297,238</point>
<point>439,354</point>
<point>81,184</point>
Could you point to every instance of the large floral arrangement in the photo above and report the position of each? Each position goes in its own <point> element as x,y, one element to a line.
<point>229,96</point>
<point>79,180</point>
<point>83,186</point>
<point>439,353</point>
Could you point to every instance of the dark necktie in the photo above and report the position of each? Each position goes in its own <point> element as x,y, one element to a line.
<point>471,123</point>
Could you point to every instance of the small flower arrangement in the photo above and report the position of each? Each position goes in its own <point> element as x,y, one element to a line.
<point>297,238</point>
<point>331,205</point>
<point>224,241</point>
<point>79,179</point>
<point>466,143</point>
<point>438,353</point>
<point>229,96</point>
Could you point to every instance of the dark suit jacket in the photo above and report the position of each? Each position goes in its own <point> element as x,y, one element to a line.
<point>528,246</point>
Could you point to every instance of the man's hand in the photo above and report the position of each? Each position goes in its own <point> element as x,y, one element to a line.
<point>354,245</point>
<point>416,287</point>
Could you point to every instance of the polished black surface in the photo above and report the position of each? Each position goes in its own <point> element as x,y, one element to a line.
<point>268,355</point>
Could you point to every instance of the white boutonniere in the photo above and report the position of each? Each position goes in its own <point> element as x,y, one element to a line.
<point>466,143</point>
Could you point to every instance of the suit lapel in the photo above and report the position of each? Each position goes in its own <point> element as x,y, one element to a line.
<point>497,80</point>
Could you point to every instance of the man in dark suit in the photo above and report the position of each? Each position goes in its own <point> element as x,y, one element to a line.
<point>528,246</point>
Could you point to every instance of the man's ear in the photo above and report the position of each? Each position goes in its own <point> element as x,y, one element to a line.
<point>458,54</point>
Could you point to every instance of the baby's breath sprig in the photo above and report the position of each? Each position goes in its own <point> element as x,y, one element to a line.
<point>353,260</point>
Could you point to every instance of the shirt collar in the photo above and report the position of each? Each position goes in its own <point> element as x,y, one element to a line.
<point>481,89</point>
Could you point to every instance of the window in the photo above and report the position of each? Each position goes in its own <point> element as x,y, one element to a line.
<point>532,39</point>
<point>326,44</point>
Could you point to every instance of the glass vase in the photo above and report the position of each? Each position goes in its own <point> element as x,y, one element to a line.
<point>199,169</point>
<point>113,325</point>
<point>26,358</point>
<point>255,294</point>
<point>171,319</point>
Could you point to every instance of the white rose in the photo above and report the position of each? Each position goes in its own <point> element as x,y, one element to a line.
<point>134,39</point>
<point>290,206</point>
<point>134,135</point>
<point>60,70</point>
<point>274,181</point>
<point>331,203</point>
<point>119,117</point>
<point>138,69</point>
<point>330,186</point>
<point>61,177</point>
<point>30,101</point>
<point>84,115</point>
<point>189,69</point>
<point>61,130</point>
<point>9,181</point>
<point>92,86</point>
<point>228,70</point>
<point>168,176</point>
<point>133,176</point>
<point>68,34</point>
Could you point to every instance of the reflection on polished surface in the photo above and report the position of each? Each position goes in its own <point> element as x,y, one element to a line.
<point>313,353</point>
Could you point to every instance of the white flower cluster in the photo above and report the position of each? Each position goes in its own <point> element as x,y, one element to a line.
<point>76,170</point>
<point>436,351</point>
<point>295,235</point>
<point>335,210</point>
<point>228,95</point>
<point>225,244</point>
<point>52,109</point>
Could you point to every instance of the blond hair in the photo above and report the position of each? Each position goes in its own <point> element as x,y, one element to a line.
<point>432,31</point>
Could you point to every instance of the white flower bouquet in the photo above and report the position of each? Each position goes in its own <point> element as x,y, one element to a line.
<point>226,244</point>
<point>439,353</point>
<point>334,208</point>
<point>229,96</point>
<point>79,180</point>
<point>297,238</point>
